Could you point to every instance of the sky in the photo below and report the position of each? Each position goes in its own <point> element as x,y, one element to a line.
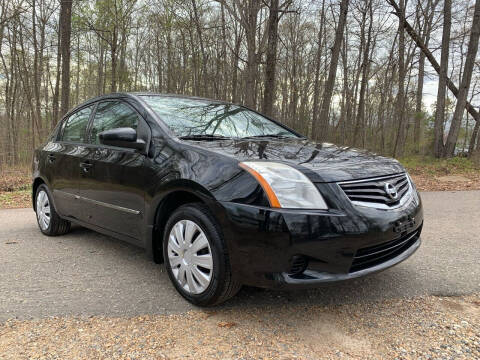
<point>430,88</point>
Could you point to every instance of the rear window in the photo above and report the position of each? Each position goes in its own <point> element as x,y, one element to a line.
<point>74,127</point>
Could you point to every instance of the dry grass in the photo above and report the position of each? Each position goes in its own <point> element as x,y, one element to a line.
<point>15,178</point>
<point>454,174</point>
<point>15,199</point>
<point>15,187</point>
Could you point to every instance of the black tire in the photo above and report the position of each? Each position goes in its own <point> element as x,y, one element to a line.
<point>57,225</point>
<point>222,286</point>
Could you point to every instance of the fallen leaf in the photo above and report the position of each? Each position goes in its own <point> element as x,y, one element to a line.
<point>208,314</point>
<point>226,324</point>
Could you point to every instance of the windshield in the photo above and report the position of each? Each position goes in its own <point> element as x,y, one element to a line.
<point>192,118</point>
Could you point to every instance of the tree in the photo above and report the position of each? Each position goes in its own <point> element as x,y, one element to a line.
<point>438,145</point>
<point>465,83</point>
<point>202,47</point>
<point>360,125</point>
<point>271,61</point>
<point>65,27</point>
<point>400,104</point>
<point>427,13</point>
<point>442,81</point>
<point>318,64</point>
<point>321,127</point>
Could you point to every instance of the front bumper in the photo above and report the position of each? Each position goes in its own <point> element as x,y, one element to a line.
<point>338,244</point>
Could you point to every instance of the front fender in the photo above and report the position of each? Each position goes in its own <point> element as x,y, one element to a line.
<point>155,199</point>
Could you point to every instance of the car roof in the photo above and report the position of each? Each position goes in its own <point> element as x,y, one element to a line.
<point>135,95</point>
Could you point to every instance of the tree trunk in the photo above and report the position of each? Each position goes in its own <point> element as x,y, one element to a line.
<point>77,83</point>
<point>360,123</point>
<point>320,129</point>
<point>253,8</point>
<point>37,56</point>
<point>473,139</point>
<point>113,53</point>
<point>440,109</point>
<point>56,93</point>
<point>224,55</point>
<point>235,56</point>
<point>202,49</point>
<point>66,30</point>
<point>419,115</point>
<point>170,61</point>
<point>271,61</point>
<point>100,67</point>
<point>318,63</point>
<point>418,103</point>
<point>465,84</point>
<point>400,104</point>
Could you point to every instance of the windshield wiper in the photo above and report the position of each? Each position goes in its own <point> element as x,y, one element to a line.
<point>277,136</point>
<point>204,137</point>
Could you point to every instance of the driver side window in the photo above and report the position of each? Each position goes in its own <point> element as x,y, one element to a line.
<point>112,115</point>
<point>74,127</point>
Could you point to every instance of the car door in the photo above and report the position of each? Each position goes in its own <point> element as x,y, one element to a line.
<point>112,180</point>
<point>63,158</point>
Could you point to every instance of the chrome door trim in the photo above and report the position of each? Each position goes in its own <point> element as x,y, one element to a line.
<point>101,203</point>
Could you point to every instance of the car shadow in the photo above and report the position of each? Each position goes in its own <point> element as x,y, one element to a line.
<point>398,282</point>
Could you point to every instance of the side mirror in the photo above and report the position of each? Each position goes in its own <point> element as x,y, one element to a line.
<point>122,137</point>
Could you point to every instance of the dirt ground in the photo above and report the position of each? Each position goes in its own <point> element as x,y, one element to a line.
<point>453,182</point>
<point>420,328</point>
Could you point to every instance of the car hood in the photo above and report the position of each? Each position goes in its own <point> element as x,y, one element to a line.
<point>321,162</point>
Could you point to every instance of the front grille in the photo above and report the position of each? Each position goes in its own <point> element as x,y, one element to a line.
<point>373,255</point>
<point>385,191</point>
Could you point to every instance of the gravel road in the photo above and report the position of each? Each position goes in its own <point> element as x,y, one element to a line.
<point>84,273</point>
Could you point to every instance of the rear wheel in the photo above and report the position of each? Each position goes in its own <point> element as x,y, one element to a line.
<point>47,218</point>
<point>196,256</point>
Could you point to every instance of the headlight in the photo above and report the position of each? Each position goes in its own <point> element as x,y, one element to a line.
<point>285,186</point>
<point>414,188</point>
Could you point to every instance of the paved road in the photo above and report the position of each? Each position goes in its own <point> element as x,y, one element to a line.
<point>84,273</point>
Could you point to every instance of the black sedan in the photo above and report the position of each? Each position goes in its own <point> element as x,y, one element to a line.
<point>223,195</point>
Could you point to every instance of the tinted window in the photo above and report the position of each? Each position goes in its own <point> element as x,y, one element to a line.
<point>75,125</point>
<point>186,117</point>
<point>112,115</point>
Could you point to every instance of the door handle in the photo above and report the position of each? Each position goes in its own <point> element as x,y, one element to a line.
<point>51,158</point>
<point>86,166</point>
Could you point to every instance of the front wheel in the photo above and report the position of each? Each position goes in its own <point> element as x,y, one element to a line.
<point>47,218</point>
<point>196,256</point>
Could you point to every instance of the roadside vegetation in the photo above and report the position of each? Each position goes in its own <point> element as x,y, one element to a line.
<point>429,174</point>
<point>454,174</point>
<point>15,187</point>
